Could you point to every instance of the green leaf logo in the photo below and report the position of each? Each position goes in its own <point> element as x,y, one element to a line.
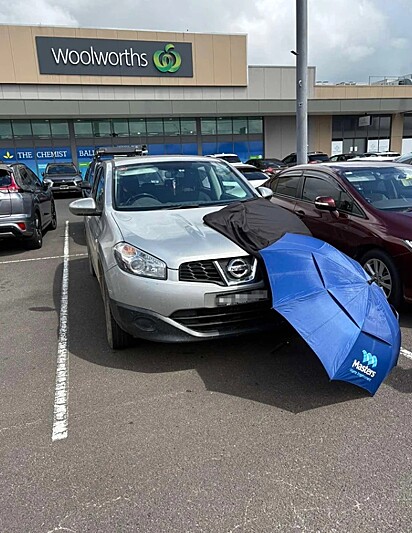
<point>167,60</point>
<point>8,155</point>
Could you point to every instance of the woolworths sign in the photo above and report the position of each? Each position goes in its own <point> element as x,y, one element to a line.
<point>112,57</point>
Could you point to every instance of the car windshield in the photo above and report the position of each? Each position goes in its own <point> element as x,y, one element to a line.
<point>267,163</point>
<point>253,174</point>
<point>177,185</point>
<point>61,169</point>
<point>387,188</point>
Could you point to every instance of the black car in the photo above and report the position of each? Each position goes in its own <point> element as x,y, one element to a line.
<point>65,177</point>
<point>267,165</point>
<point>26,205</point>
<point>341,157</point>
<point>313,157</point>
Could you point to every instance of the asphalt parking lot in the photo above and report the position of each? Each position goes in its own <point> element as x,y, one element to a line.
<point>246,435</point>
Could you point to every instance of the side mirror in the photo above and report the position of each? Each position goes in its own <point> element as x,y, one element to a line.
<point>47,183</point>
<point>265,192</point>
<point>85,207</point>
<point>325,203</point>
<point>86,186</point>
<point>42,173</point>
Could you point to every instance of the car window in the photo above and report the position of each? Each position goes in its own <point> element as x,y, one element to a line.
<point>34,179</point>
<point>287,185</point>
<point>27,182</point>
<point>253,174</point>
<point>55,170</point>
<point>99,189</point>
<point>318,157</point>
<point>314,187</point>
<point>290,159</point>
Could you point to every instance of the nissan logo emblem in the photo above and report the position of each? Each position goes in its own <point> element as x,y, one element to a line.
<point>238,268</point>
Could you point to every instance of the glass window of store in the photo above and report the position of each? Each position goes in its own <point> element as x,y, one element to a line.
<point>102,128</point>
<point>120,127</point>
<point>83,128</point>
<point>5,129</point>
<point>188,126</point>
<point>41,129</point>
<point>208,126</point>
<point>224,126</point>
<point>171,127</point>
<point>154,127</point>
<point>137,127</point>
<point>359,136</point>
<point>22,129</point>
<point>59,129</point>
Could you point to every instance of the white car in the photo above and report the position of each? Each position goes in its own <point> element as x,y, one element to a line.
<point>378,156</point>
<point>254,176</point>
<point>230,158</point>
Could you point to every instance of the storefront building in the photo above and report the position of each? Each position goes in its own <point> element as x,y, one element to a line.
<point>66,91</point>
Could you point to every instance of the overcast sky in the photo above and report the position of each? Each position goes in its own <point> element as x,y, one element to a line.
<point>349,40</point>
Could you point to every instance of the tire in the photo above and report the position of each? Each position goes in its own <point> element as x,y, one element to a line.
<point>53,222</point>
<point>36,240</point>
<point>379,265</point>
<point>117,338</point>
<point>90,264</point>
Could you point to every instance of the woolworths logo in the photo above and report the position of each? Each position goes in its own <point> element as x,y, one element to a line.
<point>167,60</point>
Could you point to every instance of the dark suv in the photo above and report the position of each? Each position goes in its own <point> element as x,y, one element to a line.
<point>26,205</point>
<point>313,157</point>
<point>362,208</point>
<point>64,176</point>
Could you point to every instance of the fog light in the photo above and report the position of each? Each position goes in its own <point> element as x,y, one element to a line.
<point>145,324</point>
<point>22,226</point>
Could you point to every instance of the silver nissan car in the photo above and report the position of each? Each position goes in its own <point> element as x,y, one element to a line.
<point>165,275</point>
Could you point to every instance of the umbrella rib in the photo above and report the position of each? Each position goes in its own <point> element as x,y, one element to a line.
<point>337,302</point>
<point>318,269</point>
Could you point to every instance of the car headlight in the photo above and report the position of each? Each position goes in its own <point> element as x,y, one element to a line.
<point>135,261</point>
<point>408,243</point>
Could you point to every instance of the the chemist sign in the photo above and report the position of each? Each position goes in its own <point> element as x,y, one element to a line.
<point>113,57</point>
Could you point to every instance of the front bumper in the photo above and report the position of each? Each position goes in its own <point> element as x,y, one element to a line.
<point>177,311</point>
<point>196,324</point>
<point>66,186</point>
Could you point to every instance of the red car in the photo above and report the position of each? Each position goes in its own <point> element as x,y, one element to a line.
<point>363,209</point>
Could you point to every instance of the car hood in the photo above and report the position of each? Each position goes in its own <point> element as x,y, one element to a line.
<point>175,236</point>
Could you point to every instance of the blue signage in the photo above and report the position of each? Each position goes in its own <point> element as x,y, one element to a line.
<point>85,152</point>
<point>62,152</point>
<point>7,155</point>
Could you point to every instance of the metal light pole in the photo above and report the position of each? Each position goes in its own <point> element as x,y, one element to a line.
<point>302,81</point>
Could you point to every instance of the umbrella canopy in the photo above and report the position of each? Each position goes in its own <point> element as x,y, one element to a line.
<point>337,309</point>
<point>255,224</point>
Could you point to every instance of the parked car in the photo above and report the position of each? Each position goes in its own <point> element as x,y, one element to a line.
<point>164,275</point>
<point>376,156</point>
<point>108,153</point>
<point>65,177</point>
<point>341,157</point>
<point>313,157</point>
<point>405,158</point>
<point>230,158</point>
<point>26,205</point>
<point>269,166</point>
<point>364,209</point>
<point>254,176</point>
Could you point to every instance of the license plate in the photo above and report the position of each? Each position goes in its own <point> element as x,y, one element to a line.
<point>64,186</point>
<point>240,298</point>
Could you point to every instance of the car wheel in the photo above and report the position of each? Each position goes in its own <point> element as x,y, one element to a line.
<point>117,338</point>
<point>53,222</point>
<point>36,240</point>
<point>380,266</point>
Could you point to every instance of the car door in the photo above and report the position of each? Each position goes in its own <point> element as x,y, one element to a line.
<point>286,188</point>
<point>94,223</point>
<point>24,201</point>
<point>43,196</point>
<point>346,228</point>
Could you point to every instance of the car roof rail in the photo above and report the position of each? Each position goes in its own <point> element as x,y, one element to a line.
<point>126,151</point>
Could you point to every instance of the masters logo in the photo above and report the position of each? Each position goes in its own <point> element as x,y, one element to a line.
<point>167,60</point>
<point>370,360</point>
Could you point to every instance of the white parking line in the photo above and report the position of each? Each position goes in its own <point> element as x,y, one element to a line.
<point>60,416</point>
<point>39,259</point>
<point>406,353</point>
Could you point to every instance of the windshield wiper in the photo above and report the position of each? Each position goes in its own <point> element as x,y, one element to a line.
<point>182,206</point>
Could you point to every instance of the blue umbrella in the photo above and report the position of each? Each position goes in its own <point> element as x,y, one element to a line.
<point>337,309</point>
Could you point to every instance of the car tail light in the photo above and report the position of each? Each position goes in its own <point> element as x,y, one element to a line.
<point>269,169</point>
<point>22,226</point>
<point>12,187</point>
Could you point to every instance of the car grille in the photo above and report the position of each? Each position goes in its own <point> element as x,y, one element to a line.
<point>227,319</point>
<point>204,271</point>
